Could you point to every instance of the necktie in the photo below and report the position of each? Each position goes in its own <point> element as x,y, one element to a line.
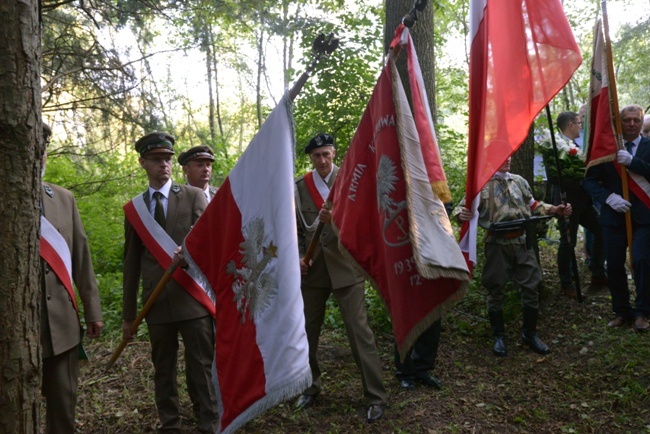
<point>629,146</point>
<point>159,212</point>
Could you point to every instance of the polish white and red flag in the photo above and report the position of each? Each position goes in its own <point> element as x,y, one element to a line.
<point>245,245</point>
<point>387,209</point>
<point>601,140</point>
<point>522,53</point>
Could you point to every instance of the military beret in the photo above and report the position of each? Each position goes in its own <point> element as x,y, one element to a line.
<point>158,142</point>
<point>198,152</point>
<point>319,141</point>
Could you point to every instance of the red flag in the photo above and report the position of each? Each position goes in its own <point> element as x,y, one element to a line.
<point>390,221</point>
<point>601,140</point>
<point>422,114</point>
<point>522,53</point>
<point>245,245</point>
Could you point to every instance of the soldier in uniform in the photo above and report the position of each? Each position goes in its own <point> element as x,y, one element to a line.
<point>175,208</point>
<point>572,168</point>
<point>197,167</point>
<point>508,197</point>
<point>330,273</point>
<point>60,328</point>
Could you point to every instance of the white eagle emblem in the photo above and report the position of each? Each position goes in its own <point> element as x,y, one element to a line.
<point>395,226</point>
<point>254,286</point>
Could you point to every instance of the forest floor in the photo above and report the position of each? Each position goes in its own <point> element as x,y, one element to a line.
<point>595,380</point>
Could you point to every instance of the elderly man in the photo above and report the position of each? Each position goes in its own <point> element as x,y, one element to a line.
<point>645,130</point>
<point>197,167</point>
<point>572,169</point>
<point>66,258</point>
<point>163,216</point>
<point>329,272</point>
<point>508,197</point>
<point>603,182</point>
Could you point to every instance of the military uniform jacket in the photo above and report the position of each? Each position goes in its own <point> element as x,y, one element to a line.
<point>330,268</point>
<point>185,206</point>
<point>505,199</point>
<point>59,321</point>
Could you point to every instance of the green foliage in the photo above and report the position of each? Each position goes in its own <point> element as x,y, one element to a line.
<point>335,98</point>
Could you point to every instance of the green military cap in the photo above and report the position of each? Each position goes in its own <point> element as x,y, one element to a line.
<point>319,141</point>
<point>156,142</point>
<point>201,152</point>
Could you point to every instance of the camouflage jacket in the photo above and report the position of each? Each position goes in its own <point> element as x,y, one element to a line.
<point>512,200</point>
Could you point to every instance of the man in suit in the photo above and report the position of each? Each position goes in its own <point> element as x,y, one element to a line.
<point>175,208</point>
<point>65,238</point>
<point>604,184</point>
<point>330,273</point>
<point>572,167</point>
<point>197,167</point>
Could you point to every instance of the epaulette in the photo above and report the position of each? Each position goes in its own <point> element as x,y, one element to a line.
<point>176,188</point>
<point>48,190</point>
<point>300,178</point>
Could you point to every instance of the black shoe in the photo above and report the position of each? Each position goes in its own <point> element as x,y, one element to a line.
<point>429,380</point>
<point>499,348</point>
<point>305,401</point>
<point>535,343</point>
<point>375,412</point>
<point>529,331</point>
<point>407,384</point>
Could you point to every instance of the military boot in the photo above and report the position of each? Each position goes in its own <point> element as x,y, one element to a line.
<point>529,332</point>
<point>498,332</point>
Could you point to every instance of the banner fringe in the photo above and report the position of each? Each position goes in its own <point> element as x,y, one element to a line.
<point>441,189</point>
<point>601,160</point>
<point>271,399</point>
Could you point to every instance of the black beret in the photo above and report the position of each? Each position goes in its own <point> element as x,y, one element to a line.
<point>155,142</point>
<point>198,152</point>
<point>319,141</point>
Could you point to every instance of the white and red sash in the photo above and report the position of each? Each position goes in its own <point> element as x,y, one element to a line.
<point>162,247</point>
<point>55,251</point>
<point>317,191</point>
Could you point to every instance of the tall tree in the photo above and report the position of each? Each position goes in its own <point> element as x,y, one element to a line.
<point>21,149</point>
<point>423,39</point>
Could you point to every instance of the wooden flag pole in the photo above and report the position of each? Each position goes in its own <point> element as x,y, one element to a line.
<point>616,117</point>
<point>145,309</point>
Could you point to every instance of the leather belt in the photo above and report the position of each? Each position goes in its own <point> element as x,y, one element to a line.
<point>507,235</point>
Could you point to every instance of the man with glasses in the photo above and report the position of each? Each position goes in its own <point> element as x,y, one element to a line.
<point>155,220</point>
<point>572,167</point>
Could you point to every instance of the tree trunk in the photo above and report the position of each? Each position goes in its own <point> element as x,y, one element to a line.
<point>21,149</point>
<point>523,164</point>
<point>523,159</point>
<point>423,39</point>
<point>260,68</point>
<point>208,66</point>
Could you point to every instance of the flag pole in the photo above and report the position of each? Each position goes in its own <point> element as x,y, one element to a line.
<point>563,197</point>
<point>145,309</point>
<point>616,117</point>
<point>323,46</point>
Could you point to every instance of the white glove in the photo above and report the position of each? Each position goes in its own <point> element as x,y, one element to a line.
<point>624,157</point>
<point>617,203</point>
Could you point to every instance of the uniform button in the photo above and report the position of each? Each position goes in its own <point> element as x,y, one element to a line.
<point>47,270</point>
<point>49,297</point>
